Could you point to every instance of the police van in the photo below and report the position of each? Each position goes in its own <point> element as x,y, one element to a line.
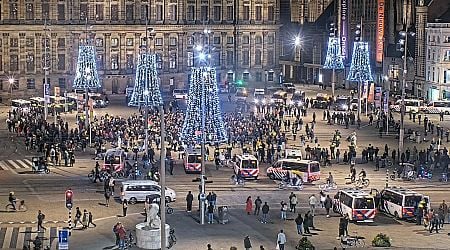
<point>400,202</point>
<point>357,204</point>
<point>247,166</point>
<point>308,170</point>
<point>192,160</point>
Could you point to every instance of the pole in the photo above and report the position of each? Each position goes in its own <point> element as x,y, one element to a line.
<point>388,111</point>
<point>359,98</point>
<point>402,104</point>
<point>333,83</point>
<point>163,179</point>
<point>387,178</point>
<point>146,125</point>
<point>70,221</point>
<point>45,72</point>
<point>202,177</point>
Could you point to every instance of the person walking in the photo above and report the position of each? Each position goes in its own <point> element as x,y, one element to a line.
<point>84,220</point>
<point>328,204</point>
<point>312,204</point>
<point>40,220</point>
<point>91,220</point>
<point>249,205</point>
<point>247,243</point>
<point>443,210</point>
<point>258,203</point>
<point>122,234</point>
<point>111,184</point>
<point>116,232</point>
<point>281,239</point>
<point>299,223</point>
<point>77,216</point>
<point>265,212</point>
<point>209,247</point>
<point>107,197</point>
<point>292,202</point>
<point>124,207</point>
<point>189,199</point>
<point>434,222</point>
<point>283,210</point>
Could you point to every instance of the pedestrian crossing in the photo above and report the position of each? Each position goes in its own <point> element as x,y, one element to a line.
<point>21,237</point>
<point>25,166</point>
<point>15,164</point>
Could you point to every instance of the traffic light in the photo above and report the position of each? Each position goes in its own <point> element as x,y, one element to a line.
<point>69,197</point>
<point>239,83</point>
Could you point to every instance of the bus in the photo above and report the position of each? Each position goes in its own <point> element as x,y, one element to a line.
<point>308,170</point>
<point>357,204</point>
<point>247,166</point>
<point>411,105</point>
<point>435,107</point>
<point>192,160</point>
<point>114,160</point>
<point>400,202</point>
<point>20,105</point>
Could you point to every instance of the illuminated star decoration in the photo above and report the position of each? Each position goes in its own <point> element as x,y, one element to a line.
<point>333,60</point>
<point>86,74</point>
<point>203,89</point>
<point>360,67</point>
<point>146,91</point>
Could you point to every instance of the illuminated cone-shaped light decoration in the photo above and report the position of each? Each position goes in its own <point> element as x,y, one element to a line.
<point>86,76</point>
<point>360,67</point>
<point>333,59</point>
<point>203,79</point>
<point>146,91</point>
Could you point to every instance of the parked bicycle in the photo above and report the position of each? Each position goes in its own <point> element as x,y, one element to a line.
<point>328,186</point>
<point>172,238</point>
<point>353,241</point>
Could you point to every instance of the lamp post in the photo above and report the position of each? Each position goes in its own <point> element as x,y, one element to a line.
<point>46,72</point>
<point>387,86</point>
<point>11,85</point>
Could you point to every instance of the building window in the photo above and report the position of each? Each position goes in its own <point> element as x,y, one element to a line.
<point>258,76</point>
<point>159,62</point>
<point>173,60</point>
<point>130,61</point>
<point>245,76</point>
<point>1,63</point>
<point>46,11</point>
<point>246,13</point>
<point>114,12</point>
<point>217,13</point>
<point>31,83</point>
<point>61,62</point>
<point>99,12</point>
<point>61,12</point>
<point>270,57</point>
<point>270,75</point>
<point>129,41</point>
<point>29,42</point>
<point>29,11</point>
<point>13,11</point>
<point>159,12</point>
<point>173,12</point>
<point>258,57</point>
<point>230,40</point>
<point>258,14</point>
<point>258,40</point>
<point>83,11</point>
<point>217,40</point>
<point>100,61</point>
<point>61,42</point>
<point>159,41</point>
<point>216,58</point>
<point>62,83</point>
<point>114,42</point>
<point>245,58</point>
<point>245,40</point>
<point>270,13</point>
<point>230,13</point>
<point>30,62</point>
<point>144,12</point>
<point>270,39</point>
<point>14,42</point>
<point>230,57</point>
<point>190,59</point>
<point>204,13</point>
<point>190,13</point>
<point>14,62</point>
<point>191,40</point>
<point>99,42</point>
<point>173,41</point>
<point>447,55</point>
<point>114,61</point>
<point>129,16</point>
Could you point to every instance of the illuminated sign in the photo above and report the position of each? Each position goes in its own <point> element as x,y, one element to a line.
<point>344,14</point>
<point>380,31</point>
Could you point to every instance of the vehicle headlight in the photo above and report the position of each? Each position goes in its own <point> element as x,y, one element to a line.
<point>263,101</point>
<point>272,100</point>
<point>345,106</point>
<point>256,101</point>
<point>102,102</point>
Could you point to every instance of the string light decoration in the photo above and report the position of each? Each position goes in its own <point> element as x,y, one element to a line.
<point>203,90</point>
<point>333,60</point>
<point>146,91</point>
<point>360,67</point>
<point>86,76</point>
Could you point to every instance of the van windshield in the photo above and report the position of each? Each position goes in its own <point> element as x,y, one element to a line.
<point>315,167</point>
<point>194,159</point>
<point>364,203</point>
<point>412,200</point>
<point>249,164</point>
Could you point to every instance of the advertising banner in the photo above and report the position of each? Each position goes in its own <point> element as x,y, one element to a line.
<point>378,97</point>
<point>344,30</point>
<point>380,32</point>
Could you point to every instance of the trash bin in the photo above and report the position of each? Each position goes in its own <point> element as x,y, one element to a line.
<point>223,215</point>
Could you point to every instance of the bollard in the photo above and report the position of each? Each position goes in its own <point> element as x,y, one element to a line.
<point>387,178</point>
<point>70,221</point>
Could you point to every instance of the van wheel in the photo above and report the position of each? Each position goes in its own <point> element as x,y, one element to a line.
<point>396,215</point>
<point>132,200</point>
<point>446,112</point>
<point>272,176</point>
<point>168,200</point>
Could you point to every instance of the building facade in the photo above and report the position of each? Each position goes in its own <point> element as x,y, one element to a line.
<point>242,42</point>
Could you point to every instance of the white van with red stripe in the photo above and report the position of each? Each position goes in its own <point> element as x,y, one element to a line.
<point>247,166</point>
<point>192,161</point>
<point>357,204</point>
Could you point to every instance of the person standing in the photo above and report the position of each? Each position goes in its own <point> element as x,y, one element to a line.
<point>247,243</point>
<point>124,207</point>
<point>210,214</point>
<point>265,212</point>
<point>84,221</point>
<point>122,234</point>
<point>111,184</point>
<point>40,220</point>
<point>299,223</point>
<point>116,232</point>
<point>107,197</point>
<point>312,204</point>
<point>189,199</point>
<point>283,210</point>
<point>434,222</point>
<point>91,220</point>
<point>292,202</point>
<point>258,204</point>
<point>249,205</point>
<point>443,210</point>
<point>281,239</point>
<point>306,223</point>
<point>328,203</point>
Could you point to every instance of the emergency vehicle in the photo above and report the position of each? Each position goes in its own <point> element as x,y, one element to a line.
<point>247,166</point>
<point>357,204</point>
<point>192,160</point>
<point>400,202</point>
<point>307,170</point>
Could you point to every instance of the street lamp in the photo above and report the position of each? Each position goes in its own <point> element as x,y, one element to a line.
<point>11,85</point>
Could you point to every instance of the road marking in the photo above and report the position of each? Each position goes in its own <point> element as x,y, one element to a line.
<point>7,240</point>
<point>4,166</point>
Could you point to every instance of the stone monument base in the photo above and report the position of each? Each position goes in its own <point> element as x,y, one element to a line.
<point>150,238</point>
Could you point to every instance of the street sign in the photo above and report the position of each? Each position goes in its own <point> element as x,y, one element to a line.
<point>47,93</point>
<point>63,239</point>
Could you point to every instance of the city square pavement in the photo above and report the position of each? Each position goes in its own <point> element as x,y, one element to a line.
<point>46,192</point>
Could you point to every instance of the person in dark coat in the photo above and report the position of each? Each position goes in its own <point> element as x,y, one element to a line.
<point>306,223</point>
<point>328,204</point>
<point>247,243</point>
<point>189,199</point>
